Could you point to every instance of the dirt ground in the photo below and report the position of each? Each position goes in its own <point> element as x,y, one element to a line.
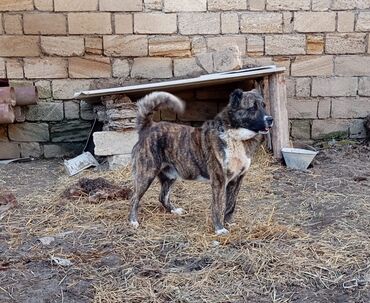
<point>298,237</point>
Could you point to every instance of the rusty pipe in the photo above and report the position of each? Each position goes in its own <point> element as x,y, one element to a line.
<point>26,95</point>
<point>7,95</point>
<point>6,113</point>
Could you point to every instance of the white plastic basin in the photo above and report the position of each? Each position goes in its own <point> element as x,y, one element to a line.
<point>298,158</point>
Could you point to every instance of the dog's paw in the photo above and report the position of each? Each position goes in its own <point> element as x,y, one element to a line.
<point>134,224</point>
<point>221,232</point>
<point>178,211</point>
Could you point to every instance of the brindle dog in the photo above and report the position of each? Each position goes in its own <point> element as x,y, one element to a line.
<point>220,151</point>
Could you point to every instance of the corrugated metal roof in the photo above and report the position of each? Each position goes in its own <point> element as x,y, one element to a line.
<point>204,80</point>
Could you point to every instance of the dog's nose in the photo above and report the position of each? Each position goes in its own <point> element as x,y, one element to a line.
<point>269,120</point>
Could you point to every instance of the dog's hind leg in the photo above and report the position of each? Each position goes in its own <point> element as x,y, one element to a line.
<point>141,185</point>
<point>232,191</point>
<point>164,196</point>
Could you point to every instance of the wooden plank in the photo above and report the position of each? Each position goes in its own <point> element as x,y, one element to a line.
<point>278,101</point>
<point>204,80</point>
<point>266,97</point>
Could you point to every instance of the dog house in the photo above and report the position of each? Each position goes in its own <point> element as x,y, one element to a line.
<point>204,96</point>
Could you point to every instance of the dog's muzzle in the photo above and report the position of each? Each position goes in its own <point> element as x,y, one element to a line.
<point>269,121</point>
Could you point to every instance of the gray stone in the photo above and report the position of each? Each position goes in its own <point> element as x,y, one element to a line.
<point>352,65</point>
<point>205,61</point>
<point>226,60</point>
<point>152,68</point>
<point>32,149</point>
<point>364,86</point>
<point>301,129</point>
<point>65,89</point>
<point>303,87</point>
<point>62,150</point>
<point>29,132</point>
<point>350,107</point>
<point>121,68</point>
<point>108,143</point>
<point>351,43</point>
<point>335,87</point>
<point>285,44</point>
<point>119,161</point>
<point>330,128</point>
<point>4,133</point>
<point>324,110</point>
<point>186,67</point>
<point>299,109</point>
<point>43,88</point>
<point>71,110</point>
<point>70,131</point>
<point>87,111</point>
<point>9,150</point>
<point>46,111</point>
<point>357,129</point>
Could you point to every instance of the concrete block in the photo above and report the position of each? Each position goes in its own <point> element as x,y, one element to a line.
<point>108,143</point>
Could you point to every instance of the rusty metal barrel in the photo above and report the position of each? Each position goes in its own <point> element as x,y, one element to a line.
<point>26,95</point>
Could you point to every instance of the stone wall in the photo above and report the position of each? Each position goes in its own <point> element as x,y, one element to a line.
<point>63,46</point>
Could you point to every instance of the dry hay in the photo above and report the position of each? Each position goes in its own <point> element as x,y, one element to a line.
<point>273,253</point>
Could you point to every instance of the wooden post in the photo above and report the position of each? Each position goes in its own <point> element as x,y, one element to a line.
<point>278,110</point>
<point>266,98</point>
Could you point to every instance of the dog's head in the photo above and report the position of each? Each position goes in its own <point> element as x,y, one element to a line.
<point>247,110</point>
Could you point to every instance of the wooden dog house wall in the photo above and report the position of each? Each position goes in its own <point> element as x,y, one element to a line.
<point>208,94</point>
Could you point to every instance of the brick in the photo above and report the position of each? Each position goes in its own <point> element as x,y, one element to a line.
<point>315,44</point>
<point>324,110</point>
<point>153,4</point>
<point>350,4</point>
<point>66,88</point>
<point>16,5</point>
<point>357,129</point>
<point>364,86</point>
<point>174,46</point>
<point>63,46</point>
<point>13,24</point>
<point>226,5</point>
<point>303,87</point>
<point>363,22</point>
<point>336,87</point>
<point>43,89</point>
<point>198,45</point>
<point>285,44</point>
<point>307,22</point>
<point>108,143</point>
<point>150,68</point>
<point>290,87</point>
<point>199,23</point>
<point>32,149</point>
<point>229,23</point>
<point>45,68</point>
<point>346,21</point>
<point>350,108</point>
<point>198,111</point>
<point>62,150</point>
<point>299,109</point>
<point>330,128</point>
<point>290,5</point>
<point>186,67</point>
<point>288,22</point>
<point>257,5</point>
<point>19,46</point>
<point>125,46</point>
<point>71,110</point>
<point>20,83</point>
<point>29,132</point>
<point>123,24</point>
<point>255,44</point>
<point>87,111</point>
<point>256,23</point>
<point>313,66</point>
<point>227,59</point>
<point>121,5</point>
<point>9,150</point>
<point>352,65</point>
<point>45,111</point>
<point>119,161</point>
<point>75,6</point>
<point>89,23</point>
<point>345,43</point>
<point>94,45</point>
<point>321,5</point>
<point>70,131</point>
<point>205,61</point>
<point>155,23</point>
<point>301,129</point>
<point>19,113</point>
<point>89,67</point>
<point>185,6</point>
<point>121,68</point>
<point>44,5</point>
<point>257,61</point>
<point>45,24</point>
<point>220,43</point>
<point>14,69</point>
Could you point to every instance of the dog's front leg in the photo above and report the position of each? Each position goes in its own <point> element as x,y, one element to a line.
<point>219,200</point>
<point>232,191</point>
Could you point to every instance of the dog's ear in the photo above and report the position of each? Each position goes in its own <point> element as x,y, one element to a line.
<point>235,98</point>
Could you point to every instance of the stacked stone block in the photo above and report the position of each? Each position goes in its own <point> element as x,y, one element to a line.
<point>63,46</point>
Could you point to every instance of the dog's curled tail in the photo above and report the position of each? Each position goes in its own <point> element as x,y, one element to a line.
<point>155,101</point>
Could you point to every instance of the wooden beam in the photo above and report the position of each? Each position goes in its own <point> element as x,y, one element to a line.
<point>278,110</point>
<point>266,97</point>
